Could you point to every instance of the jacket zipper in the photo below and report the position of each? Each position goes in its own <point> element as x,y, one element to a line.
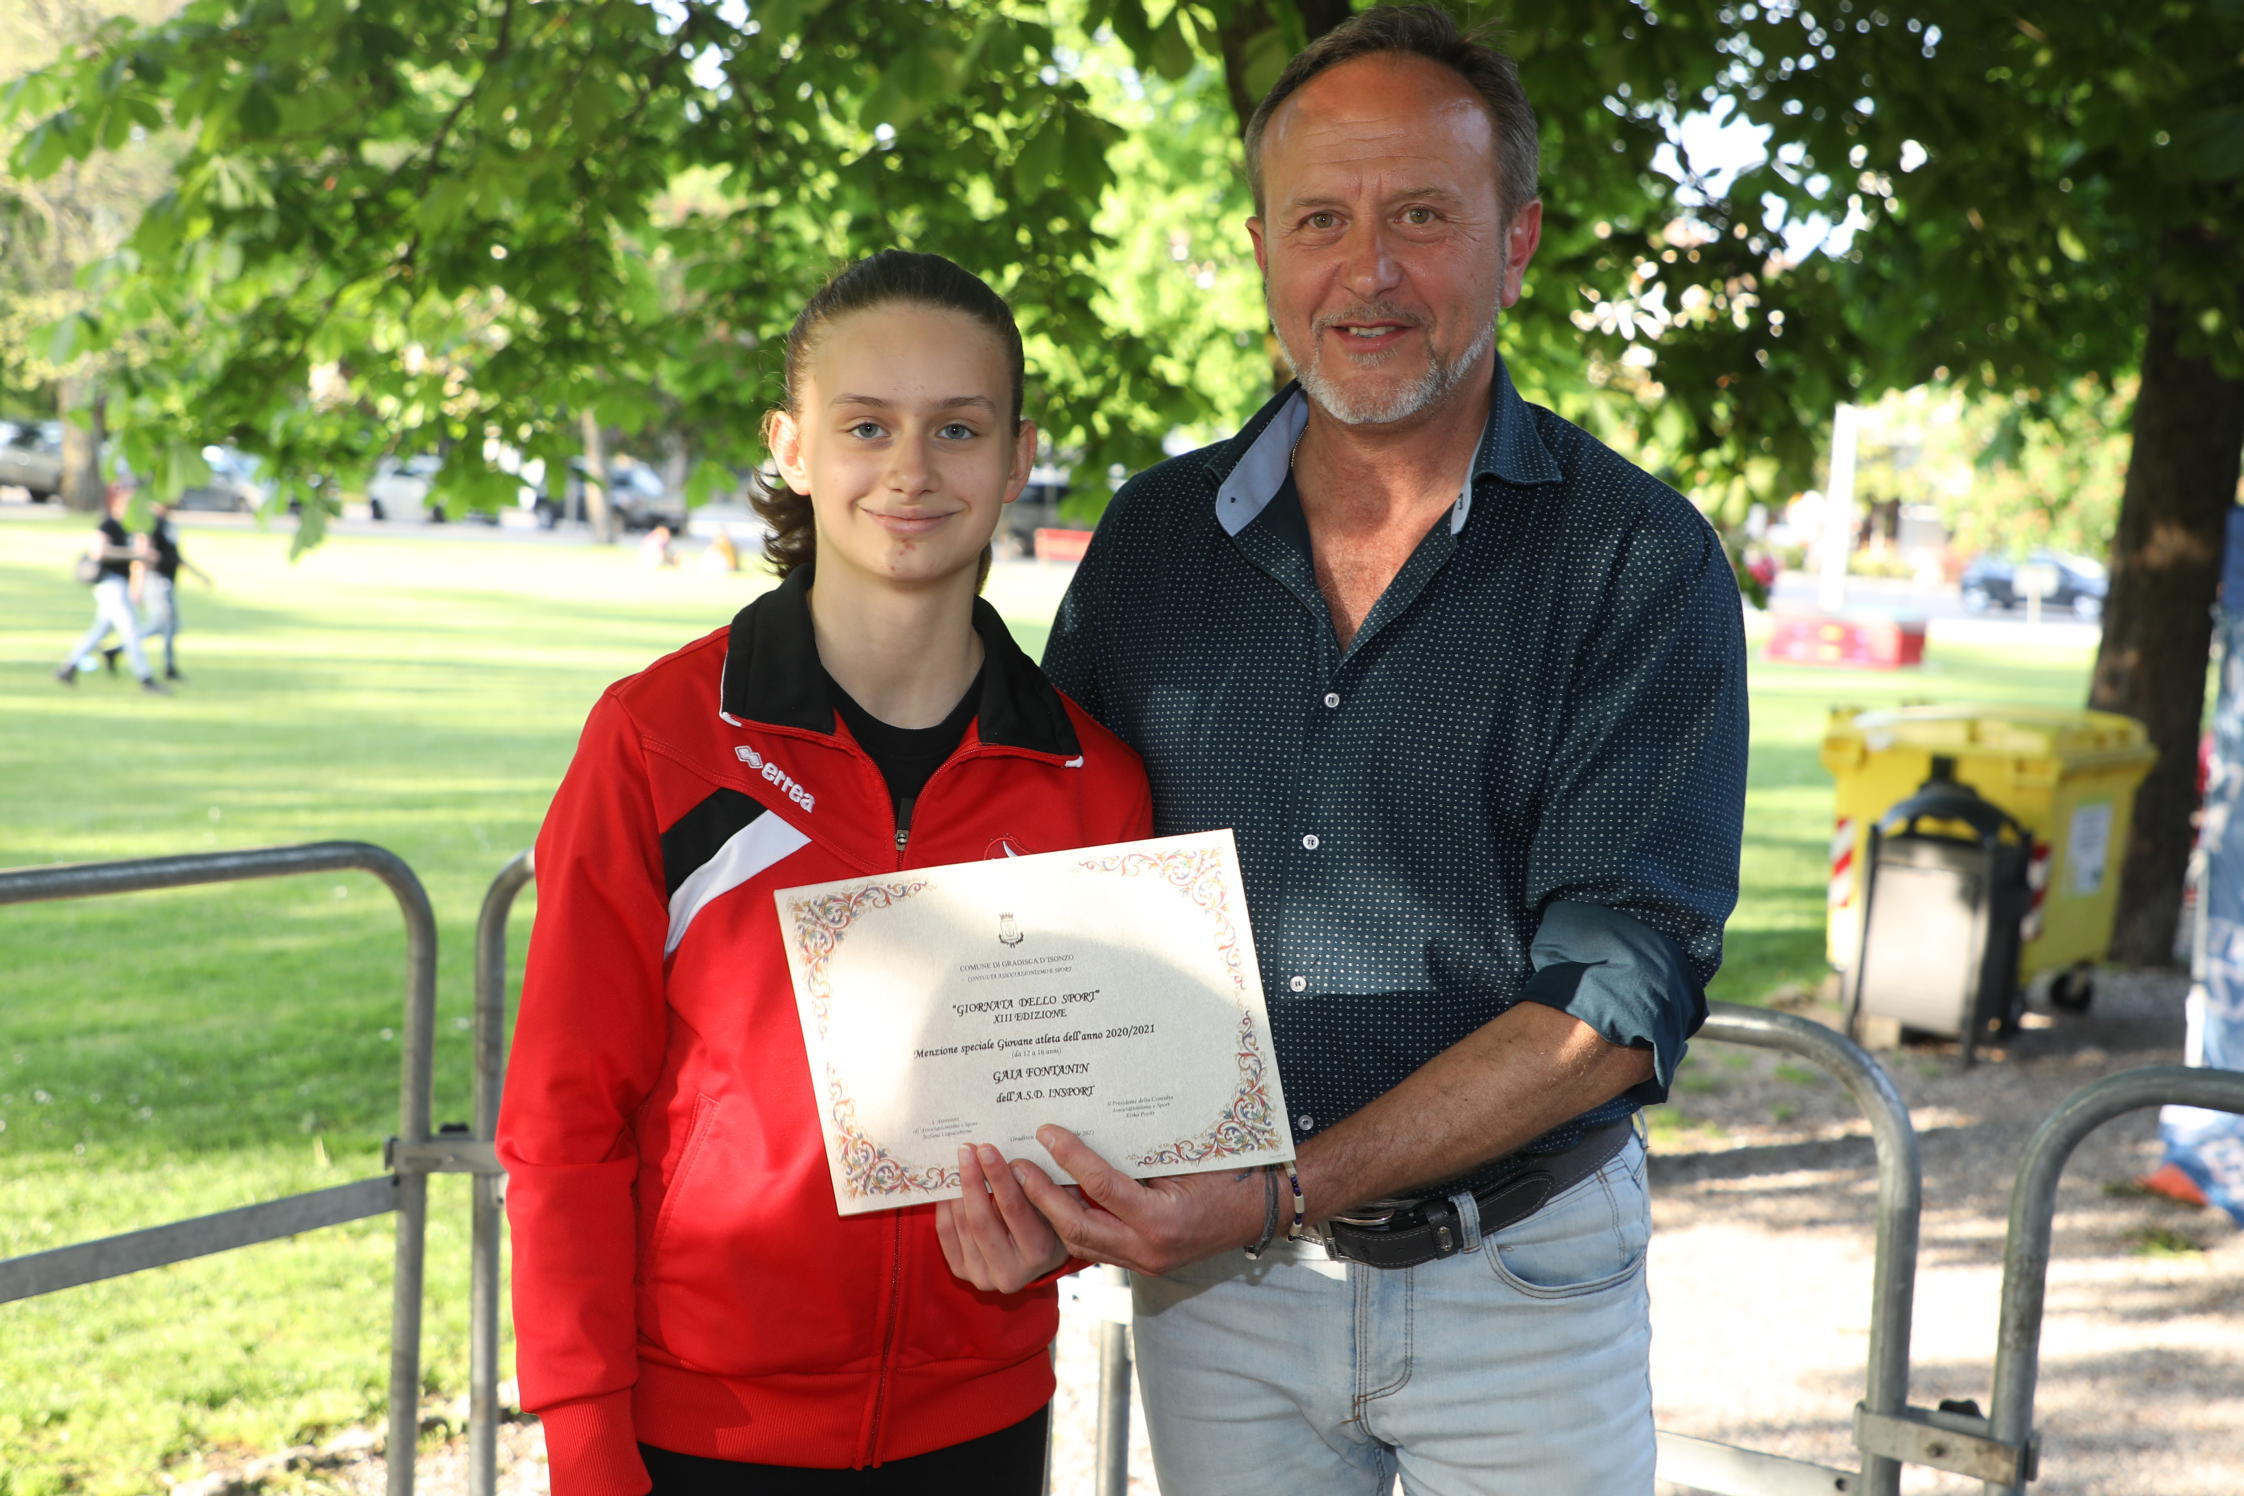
<point>904,811</point>
<point>888,1338</point>
<point>896,1247</point>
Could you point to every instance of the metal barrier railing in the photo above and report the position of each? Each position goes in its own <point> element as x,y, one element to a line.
<point>2008,1428</point>
<point>489,1189</point>
<point>1727,1470</point>
<point>1719,1469</point>
<point>1701,1464</point>
<point>411,1156</point>
<point>1888,1432</point>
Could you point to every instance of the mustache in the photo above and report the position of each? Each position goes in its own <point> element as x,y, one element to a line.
<point>1366,311</point>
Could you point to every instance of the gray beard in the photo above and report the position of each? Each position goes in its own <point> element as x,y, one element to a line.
<point>1420,395</point>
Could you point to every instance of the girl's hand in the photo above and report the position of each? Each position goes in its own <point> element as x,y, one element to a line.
<point>992,1237</point>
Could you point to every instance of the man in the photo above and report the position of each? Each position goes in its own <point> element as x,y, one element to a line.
<point>1470,690</point>
<point>159,587</point>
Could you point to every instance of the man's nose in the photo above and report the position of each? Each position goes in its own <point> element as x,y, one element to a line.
<point>1371,268</point>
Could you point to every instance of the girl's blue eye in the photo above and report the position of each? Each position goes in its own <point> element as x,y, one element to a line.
<point>865,430</point>
<point>958,431</point>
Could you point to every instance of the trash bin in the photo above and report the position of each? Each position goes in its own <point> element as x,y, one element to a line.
<point>2068,777</point>
<point>1944,891</point>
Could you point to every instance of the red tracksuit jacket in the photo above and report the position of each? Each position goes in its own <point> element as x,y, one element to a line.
<point>681,1275</point>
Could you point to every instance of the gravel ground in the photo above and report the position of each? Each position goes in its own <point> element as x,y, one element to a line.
<point>1761,1257</point>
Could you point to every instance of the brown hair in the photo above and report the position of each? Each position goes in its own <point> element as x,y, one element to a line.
<point>1430,32</point>
<point>893,275</point>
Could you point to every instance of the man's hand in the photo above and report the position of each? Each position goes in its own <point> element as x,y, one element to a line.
<point>1151,1225</point>
<point>992,1237</point>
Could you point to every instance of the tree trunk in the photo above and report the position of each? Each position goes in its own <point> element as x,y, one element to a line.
<point>1247,21</point>
<point>2158,619</point>
<point>82,432</point>
<point>598,512</point>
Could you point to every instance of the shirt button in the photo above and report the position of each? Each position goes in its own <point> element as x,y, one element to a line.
<point>1298,984</point>
<point>1310,842</point>
<point>1305,1121</point>
<point>1332,698</point>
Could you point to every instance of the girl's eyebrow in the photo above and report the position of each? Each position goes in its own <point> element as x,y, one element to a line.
<point>953,402</point>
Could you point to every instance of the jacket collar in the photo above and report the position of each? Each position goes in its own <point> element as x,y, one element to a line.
<point>772,676</point>
<point>1251,467</point>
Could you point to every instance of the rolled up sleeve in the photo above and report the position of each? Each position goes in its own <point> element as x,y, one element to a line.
<point>1633,866</point>
<point>1624,979</point>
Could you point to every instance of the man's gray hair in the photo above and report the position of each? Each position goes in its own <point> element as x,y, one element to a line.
<point>1430,32</point>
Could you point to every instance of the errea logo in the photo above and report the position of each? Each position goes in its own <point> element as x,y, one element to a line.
<point>771,773</point>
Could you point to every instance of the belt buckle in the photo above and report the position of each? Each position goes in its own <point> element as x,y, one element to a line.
<point>1375,1215</point>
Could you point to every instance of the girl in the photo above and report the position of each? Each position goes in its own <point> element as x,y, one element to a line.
<point>691,1312</point>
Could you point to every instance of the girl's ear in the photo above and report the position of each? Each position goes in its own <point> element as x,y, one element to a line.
<point>1024,461</point>
<point>785,439</point>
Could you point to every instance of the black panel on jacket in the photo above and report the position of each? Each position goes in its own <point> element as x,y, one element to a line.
<point>700,832</point>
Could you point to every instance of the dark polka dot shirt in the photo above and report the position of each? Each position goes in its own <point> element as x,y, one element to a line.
<point>1523,779</point>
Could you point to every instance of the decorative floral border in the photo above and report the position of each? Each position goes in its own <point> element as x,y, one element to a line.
<point>1246,1125</point>
<point>867,1168</point>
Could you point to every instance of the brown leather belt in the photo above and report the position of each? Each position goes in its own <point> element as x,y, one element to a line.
<point>1405,1233</point>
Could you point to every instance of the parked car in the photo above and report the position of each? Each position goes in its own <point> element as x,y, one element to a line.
<point>1038,508</point>
<point>635,492</point>
<point>2073,584</point>
<point>234,484</point>
<point>31,457</point>
<point>399,489</point>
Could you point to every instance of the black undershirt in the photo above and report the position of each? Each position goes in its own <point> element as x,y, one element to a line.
<point>907,756</point>
<point>1009,1462</point>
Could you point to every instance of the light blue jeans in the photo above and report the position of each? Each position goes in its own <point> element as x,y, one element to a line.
<point>112,600</point>
<point>160,610</point>
<point>1518,1367</point>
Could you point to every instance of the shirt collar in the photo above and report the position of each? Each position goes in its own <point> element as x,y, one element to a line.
<point>772,676</point>
<point>1252,466</point>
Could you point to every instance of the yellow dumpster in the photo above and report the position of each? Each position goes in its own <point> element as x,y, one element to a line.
<point>2068,777</point>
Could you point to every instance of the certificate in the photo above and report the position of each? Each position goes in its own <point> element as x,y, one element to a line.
<point>1112,990</point>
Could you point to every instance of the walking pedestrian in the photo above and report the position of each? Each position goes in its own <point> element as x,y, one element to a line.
<point>159,592</point>
<point>115,557</point>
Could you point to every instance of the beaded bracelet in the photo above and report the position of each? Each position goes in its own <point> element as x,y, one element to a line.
<point>1269,1212</point>
<point>1299,1230</point>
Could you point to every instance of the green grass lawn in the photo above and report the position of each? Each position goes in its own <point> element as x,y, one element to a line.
<point>165,1055</point>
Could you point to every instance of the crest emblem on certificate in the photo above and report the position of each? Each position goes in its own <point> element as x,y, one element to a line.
<point>1008,932</point>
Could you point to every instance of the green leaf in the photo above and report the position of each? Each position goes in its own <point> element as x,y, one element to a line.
<point>1041,156</point>
<point>71,336</point>
<point>446,198</point>
<point>704,483</point>
<point>115,127</point>
<point>780,19</point>
<point>30,94</point>
<point>1172,53</point>
<point>43,150</point>
<point>2210,147</point>
<point>1265,57</point>
<point>258,117</point>
<point>1084,151</point>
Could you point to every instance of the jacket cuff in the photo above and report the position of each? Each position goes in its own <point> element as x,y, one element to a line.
<point>1624,979</point>
<point>592,1448</point>
<point>1052,1278</point>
